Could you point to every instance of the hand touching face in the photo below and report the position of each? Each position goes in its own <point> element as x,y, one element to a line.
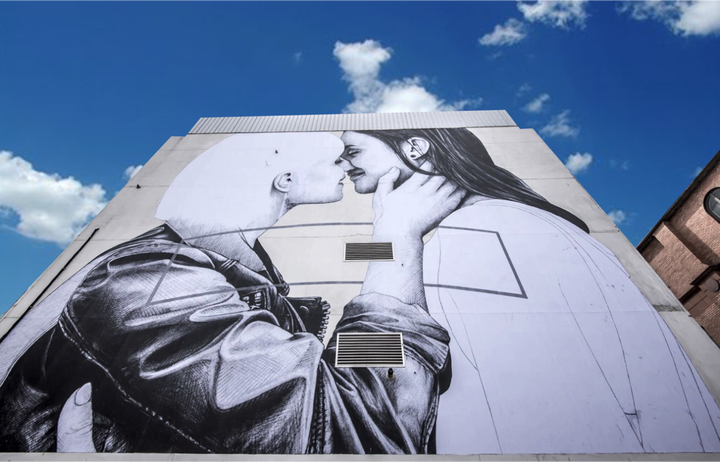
<point>415,207</point>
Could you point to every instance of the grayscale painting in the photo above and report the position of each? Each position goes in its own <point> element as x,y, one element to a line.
<point>522,333</point>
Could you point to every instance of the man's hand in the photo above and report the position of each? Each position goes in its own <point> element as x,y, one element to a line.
<point>74,433</point>
<point>403,215</point>
<point>416,206</point>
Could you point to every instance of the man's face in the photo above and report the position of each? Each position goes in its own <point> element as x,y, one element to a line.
<point>320,180</point>
<point>366,159</point>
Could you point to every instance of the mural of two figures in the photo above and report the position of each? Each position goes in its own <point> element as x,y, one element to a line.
<point>522,333</point>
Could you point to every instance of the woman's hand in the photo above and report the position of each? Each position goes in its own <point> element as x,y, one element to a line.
<point>74,431</point>
<point>416,206</point>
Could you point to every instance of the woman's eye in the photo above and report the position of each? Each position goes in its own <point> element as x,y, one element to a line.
<point>350,153</point>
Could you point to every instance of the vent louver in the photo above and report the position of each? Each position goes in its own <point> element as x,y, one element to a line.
<point>370,350</point>
<point>369,251</point>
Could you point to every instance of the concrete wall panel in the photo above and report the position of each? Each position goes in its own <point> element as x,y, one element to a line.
<point>529,161</point>
<point>130,214</point>
<point>647,280</point>
<point>571,196</point>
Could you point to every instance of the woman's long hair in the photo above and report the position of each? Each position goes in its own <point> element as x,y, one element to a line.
<point>460,156</point>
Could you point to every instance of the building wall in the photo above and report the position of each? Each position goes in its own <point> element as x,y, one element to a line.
<point>698,229</point>
<point>704,304</point>
<point>685,246</point>
<point>564,371</point>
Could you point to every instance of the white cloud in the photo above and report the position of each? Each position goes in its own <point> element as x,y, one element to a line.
<point>562,13</point>
<point>131,171</point>
<point>510,33</point>
<point>559,125</point>
<point>536,105</point>
<point>49,207</point>
<point>462,104</point>
<point>555,13</point>
<point>686,18</point>
<point>361,63</point>
<point>524,89</point>
<point>624,165</point>
<point>700,18</point>
<point>578,162</point>
<point>297,57</point>
<point>408,95</point>
<point>617,216</point>
<point>697,171</point>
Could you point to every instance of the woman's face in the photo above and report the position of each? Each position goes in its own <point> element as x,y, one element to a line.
<point>366,159</point>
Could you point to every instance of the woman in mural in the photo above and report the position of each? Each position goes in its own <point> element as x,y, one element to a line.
<point>554,348</point>
<point>184,339</point>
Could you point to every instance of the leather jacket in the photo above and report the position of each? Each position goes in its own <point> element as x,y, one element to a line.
<point>190,351</point>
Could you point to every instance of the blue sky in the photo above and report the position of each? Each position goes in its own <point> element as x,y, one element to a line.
<point>90,89</point>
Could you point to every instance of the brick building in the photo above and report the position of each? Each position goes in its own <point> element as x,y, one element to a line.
<point>684,248</point>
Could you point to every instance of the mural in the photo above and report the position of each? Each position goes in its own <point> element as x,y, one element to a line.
<point>554,349</point>
<point>187,339</point>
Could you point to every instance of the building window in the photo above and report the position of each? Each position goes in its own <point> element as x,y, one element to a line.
<point>712,203</point>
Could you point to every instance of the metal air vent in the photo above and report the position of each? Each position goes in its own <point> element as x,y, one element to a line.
<point>370,350</point>
<point>369,251</point>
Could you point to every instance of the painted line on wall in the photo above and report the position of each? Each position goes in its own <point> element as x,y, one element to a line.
<point>472,289</point>
<point>325,283</point>
<point>265,228</point>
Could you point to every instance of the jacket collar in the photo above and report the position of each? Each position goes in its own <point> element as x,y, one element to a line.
<point>231,245</point>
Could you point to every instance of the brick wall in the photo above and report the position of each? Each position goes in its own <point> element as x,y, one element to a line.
<point>686,246</point>
<point>704,306</point>
<point>676,264</point>
<point>700,231</point>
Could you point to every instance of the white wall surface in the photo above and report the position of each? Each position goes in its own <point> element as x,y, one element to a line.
<point>312,255</point>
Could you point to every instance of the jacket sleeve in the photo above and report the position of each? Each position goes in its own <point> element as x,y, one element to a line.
<point>180,345</point>
<point>362,410</point>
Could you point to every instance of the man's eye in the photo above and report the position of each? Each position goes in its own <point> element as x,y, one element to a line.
<point>350,153</point>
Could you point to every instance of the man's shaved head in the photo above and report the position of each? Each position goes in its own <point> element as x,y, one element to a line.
<point>241,173</point>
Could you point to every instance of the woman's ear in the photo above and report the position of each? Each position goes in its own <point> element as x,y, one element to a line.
<point>415,148</point>
<point>283,182</point>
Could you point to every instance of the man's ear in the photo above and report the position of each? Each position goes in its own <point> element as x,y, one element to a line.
<point>415,148</point>
<point>283,182</point>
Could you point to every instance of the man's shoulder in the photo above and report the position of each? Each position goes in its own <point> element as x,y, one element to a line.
<point>139,265</point>
<point>149,274</point>
<point>158,244</point>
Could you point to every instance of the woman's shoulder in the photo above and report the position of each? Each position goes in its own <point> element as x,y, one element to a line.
<point>501,216</point>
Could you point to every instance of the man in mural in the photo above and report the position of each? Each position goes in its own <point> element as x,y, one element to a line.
<point>184,339</point>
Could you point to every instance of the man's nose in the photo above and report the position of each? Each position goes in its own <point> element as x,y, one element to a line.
<point>343,163</point>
